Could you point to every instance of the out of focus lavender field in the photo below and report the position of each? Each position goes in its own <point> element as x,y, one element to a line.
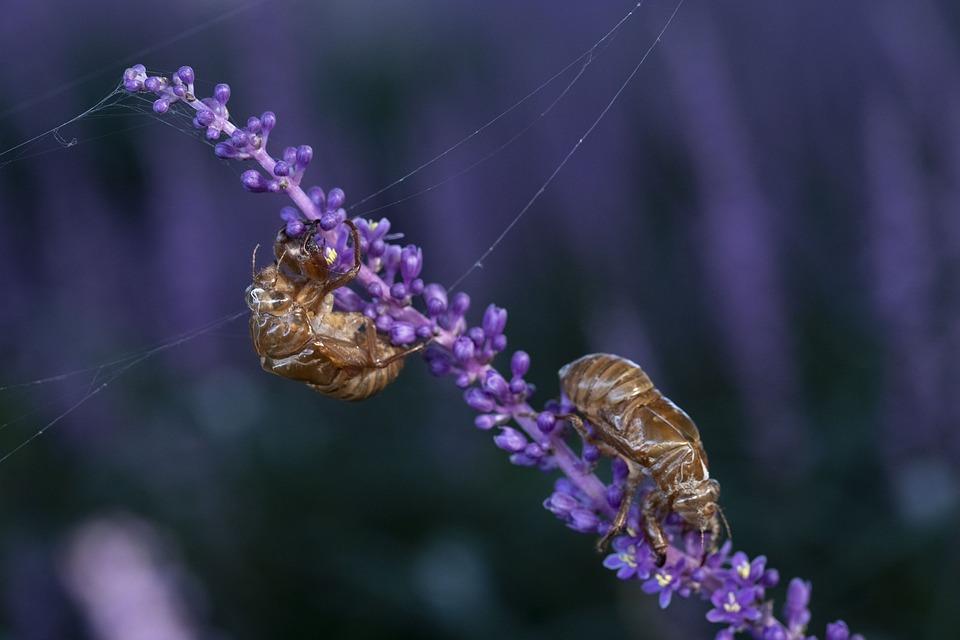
<point>768,221</point>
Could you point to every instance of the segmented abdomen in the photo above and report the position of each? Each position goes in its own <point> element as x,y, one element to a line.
<point>350,385</point>
<point>603,380</point>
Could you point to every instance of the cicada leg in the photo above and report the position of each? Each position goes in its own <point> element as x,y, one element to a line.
<point>374,360</point>
<point>652,528</point>
<point>634,480</point>
<point>588,435</point>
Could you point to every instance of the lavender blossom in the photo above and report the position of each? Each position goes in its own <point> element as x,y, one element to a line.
<point>390,291</point>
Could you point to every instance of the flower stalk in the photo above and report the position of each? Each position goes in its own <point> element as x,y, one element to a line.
<point>404,308</point>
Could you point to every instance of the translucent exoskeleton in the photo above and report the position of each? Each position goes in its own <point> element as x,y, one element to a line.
<point>632,420</point>
<point>300,336</point>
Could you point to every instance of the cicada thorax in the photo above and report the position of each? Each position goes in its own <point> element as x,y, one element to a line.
<point>664,438</point>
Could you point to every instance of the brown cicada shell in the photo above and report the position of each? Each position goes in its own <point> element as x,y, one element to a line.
<point>299,335</point>
<point>655,437</point>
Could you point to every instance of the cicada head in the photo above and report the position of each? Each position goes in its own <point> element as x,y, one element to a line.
<point>270,292</point>
<point>300,258</point>
<point>698,506</point>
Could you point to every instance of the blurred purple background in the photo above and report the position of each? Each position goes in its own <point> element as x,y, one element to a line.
<point>768,221</point>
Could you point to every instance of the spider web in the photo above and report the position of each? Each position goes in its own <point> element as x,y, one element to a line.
<point>137,110</point>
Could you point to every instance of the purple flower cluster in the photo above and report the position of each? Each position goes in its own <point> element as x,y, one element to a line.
<point>390,291</point>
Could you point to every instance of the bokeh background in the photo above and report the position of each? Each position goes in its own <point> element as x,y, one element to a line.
<point>768,220</point>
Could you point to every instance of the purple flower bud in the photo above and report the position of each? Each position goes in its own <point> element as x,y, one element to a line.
<point>446,321</point>
<point>281,169</point>
<point>375,290</point>
<point>583,521</point>
<point>476,334</point>
<point>517,385</point>
<point>424,331</point>
<point>436,297</point>
<point>614,495</point>
<point>376,249</point>
<point>221,93</point>
<point>495,384</point>
<point>463,349</point>
<point>411,261</point>
<point>509,439</point>
<point>416,286</point>
<point>384,322</point>
<point>253,181</point>
<point>440,367</point>
<point>317,196</point>
<point>335,198</point>
<point>225,151</point>
<point>398,291</point>
<point>133,77</point>
<point>179,90</point>
<point>725,634</point>
<point>154,83</point>
<point>206,117</point>
<point>560,503</point>
<point>534,451</point>
<point>304,155</point>
<point>328,221</point>
<point>494,320</point>
<point>520,363</point>
<point>268,120</point>
<point>161,105</point>
<point>523,460</point>
<point>391,259</point>
<point>186,74</point>
<point>464,380</point>
<point>486,421</point>
<point>402,333</point>
<point>775,632</point>
<point>478,400</point>
<point>590,453</point>
<point>294,228</point>
<point>795,608</point>
<point>770,579</point>
<point>546,421</point>
<point>461,302</point>
<point>838,631</point>
<point>499,343</point>
<point>620,470</point>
